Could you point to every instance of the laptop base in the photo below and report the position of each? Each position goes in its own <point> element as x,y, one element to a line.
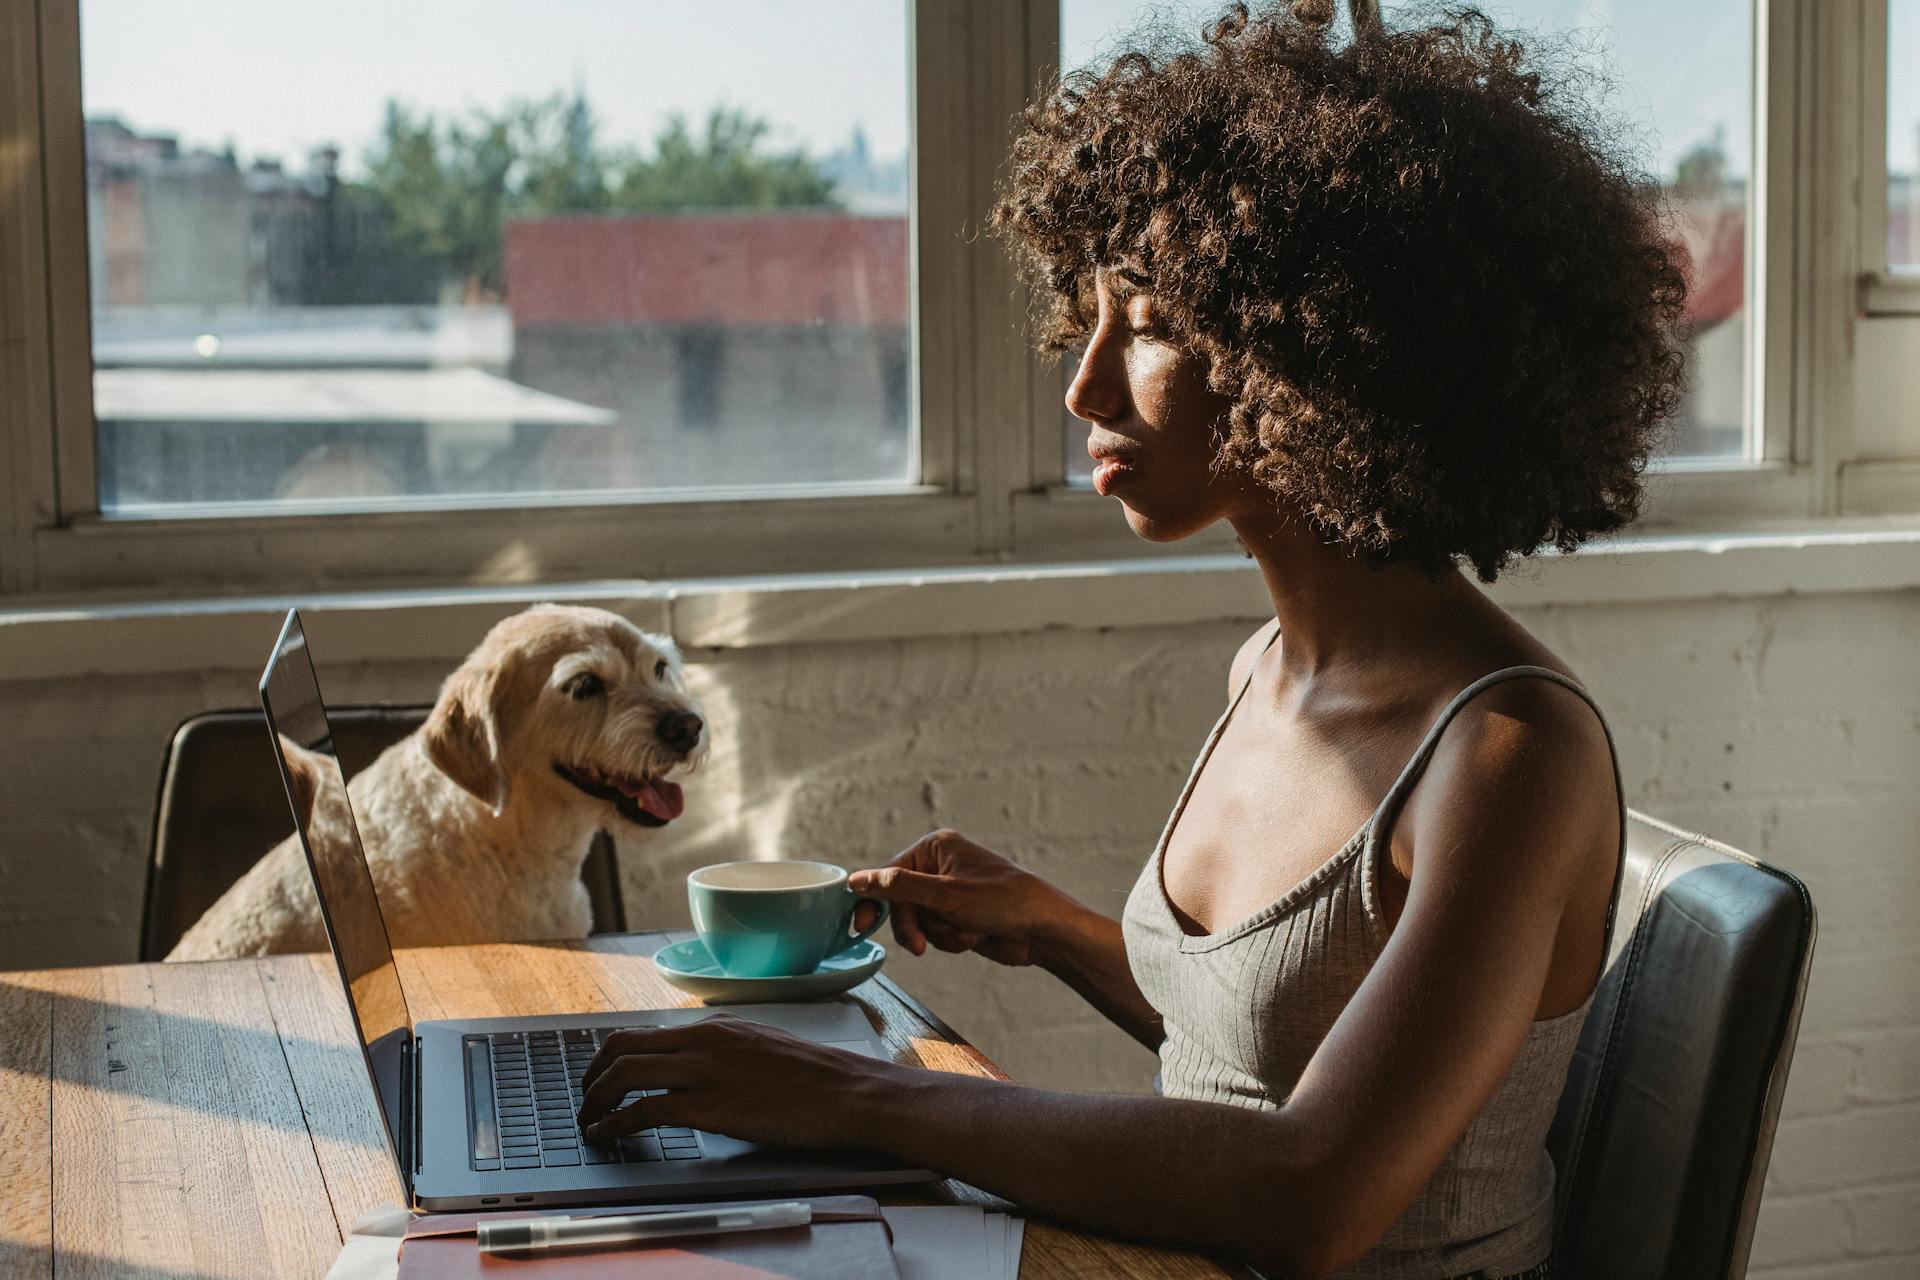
<point>452,1177</point>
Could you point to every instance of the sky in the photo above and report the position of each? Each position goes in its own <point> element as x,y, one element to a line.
<point>1680,66</point>
<point>1903,86</point>
<point>278,78</point>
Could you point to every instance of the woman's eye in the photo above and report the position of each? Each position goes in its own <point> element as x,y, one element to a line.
<point>585,685</point>
<point>660,669</point>
<point>1144,323</point>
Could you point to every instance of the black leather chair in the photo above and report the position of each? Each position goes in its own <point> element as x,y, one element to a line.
<point>1666,1123</point>
<point>221,805</point>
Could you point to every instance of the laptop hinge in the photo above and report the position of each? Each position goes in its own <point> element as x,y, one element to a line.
<point>410,1074</point>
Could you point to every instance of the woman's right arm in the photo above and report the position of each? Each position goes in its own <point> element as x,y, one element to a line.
<point>948,892</point>
<point>1087,953</point>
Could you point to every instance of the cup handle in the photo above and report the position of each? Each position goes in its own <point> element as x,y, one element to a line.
<point>848,940</point>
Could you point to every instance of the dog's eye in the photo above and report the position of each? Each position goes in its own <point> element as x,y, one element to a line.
<point>585,685</point>
<point>660,669</point>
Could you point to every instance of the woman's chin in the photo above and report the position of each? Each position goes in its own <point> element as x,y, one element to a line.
<point>1152,527</point>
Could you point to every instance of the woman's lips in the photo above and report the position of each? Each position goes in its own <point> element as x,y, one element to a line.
<point>1108,472</point>
<point>1111,463</point>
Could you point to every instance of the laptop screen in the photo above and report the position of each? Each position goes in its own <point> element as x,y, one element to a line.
<point>317,791</point>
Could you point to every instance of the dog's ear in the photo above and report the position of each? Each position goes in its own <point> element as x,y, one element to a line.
<point>462,735</point>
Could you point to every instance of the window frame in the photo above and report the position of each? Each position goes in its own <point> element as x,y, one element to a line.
<point>1885,290</point>
<point>991,484</point>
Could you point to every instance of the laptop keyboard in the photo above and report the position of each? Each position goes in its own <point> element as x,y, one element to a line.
<point>524,1090</point>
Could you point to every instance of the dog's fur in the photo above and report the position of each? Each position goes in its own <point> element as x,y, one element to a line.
<point>471,829</point>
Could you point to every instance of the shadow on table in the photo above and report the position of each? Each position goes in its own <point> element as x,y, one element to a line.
<point>201,1064</point>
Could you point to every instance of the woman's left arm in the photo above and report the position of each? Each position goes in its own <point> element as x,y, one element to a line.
<point>1300,1190</point>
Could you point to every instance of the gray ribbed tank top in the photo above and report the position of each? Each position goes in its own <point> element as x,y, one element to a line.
<point>1244,1010</point>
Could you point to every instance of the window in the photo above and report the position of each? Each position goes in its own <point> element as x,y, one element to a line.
<point>1903,135</point>
<point>371,313</point>
<point>1685,78</point>
<point>356,257</point>
<point>1089,32</point>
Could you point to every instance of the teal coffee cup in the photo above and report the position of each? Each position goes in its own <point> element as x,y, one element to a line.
<point>774,919</point>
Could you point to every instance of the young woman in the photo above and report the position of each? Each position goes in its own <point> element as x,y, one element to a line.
<point>1384,305</point>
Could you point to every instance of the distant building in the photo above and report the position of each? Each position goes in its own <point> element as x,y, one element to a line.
<point>168,227</point>
<point>283,223</point>
<point>1711,421</point>
<point>733,347</point>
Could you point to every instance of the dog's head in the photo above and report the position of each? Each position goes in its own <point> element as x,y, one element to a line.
<point>577,694</point>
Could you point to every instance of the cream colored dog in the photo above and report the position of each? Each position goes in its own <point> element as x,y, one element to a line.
<point>563,721</point>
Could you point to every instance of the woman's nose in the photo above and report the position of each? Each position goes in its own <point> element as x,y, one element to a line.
<point>1098,390</point>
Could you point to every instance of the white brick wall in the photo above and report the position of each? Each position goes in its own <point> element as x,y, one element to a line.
<point>1789,726</point>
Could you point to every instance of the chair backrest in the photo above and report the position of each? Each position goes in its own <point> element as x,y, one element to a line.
<point>1666,1123</point>
<point>221,806</point>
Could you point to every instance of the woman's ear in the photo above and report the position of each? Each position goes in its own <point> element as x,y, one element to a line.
<point>462,734</point>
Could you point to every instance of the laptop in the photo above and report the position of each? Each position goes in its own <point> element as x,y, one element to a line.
<point>480,1113</point>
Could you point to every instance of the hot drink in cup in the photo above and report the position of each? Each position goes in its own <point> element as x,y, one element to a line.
<point>774,919</point>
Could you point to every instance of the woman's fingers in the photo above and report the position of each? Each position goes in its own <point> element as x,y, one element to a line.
<point>643,1114</point>
<point>906,928</point>
<point>947,937</point>
<point>897,884</point>
<point>631,1061</point>
<point>619,1044</point>
<point>931,888</point>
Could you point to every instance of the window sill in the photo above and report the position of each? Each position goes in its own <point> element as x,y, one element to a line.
<point>1894,292</point>
<point>50,641</point>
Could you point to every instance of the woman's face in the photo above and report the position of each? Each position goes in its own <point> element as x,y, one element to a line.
<point>1154,420</point>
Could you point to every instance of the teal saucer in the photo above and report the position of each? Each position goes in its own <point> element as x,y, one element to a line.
<point>691,967</point>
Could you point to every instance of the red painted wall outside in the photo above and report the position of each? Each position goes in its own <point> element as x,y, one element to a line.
<point>710,268</point>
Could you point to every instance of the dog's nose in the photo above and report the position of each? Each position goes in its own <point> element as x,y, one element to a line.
<point>680,730</point>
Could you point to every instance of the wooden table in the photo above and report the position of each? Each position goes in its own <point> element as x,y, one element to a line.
<point>215,1121</point>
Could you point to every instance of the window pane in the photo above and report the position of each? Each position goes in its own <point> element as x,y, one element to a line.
<point>1684,75</point>
<point>1091,32</point>
<point>351,252</point>
<point>1903,133</point>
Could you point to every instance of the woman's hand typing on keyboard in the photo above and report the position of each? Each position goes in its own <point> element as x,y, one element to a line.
<point>730,1075</point>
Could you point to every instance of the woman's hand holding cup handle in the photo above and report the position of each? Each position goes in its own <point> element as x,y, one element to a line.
<point>952,893</point>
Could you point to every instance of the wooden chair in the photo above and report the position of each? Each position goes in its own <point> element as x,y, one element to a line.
<point>221,805</point>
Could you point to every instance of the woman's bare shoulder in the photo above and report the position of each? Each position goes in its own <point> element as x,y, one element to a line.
<point>1250,650</point>
<point>1523,744</point>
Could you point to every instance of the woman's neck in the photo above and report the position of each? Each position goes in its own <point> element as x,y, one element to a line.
<point>1343,616</point>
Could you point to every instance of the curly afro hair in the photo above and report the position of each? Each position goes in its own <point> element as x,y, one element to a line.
<point>1449,319</point>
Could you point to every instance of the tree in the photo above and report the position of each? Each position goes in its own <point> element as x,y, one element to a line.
<point>1701,173</point>
<point>440,193</point>
<point>724,169</point>
<point>562,169</point>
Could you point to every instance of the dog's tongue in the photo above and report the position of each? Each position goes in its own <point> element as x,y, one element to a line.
<point>659,798</point>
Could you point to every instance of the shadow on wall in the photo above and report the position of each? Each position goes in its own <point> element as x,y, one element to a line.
<point>1061,751</point>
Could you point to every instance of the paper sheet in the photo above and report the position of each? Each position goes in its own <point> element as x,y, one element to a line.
<point>954,1242</point>
<point>939,1242</point>
<point>372,1251</point>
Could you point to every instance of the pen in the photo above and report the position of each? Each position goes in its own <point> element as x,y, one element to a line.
<point>522,1235</point>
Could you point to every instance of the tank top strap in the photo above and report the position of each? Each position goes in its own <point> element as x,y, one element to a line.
<point>1397,794</point>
